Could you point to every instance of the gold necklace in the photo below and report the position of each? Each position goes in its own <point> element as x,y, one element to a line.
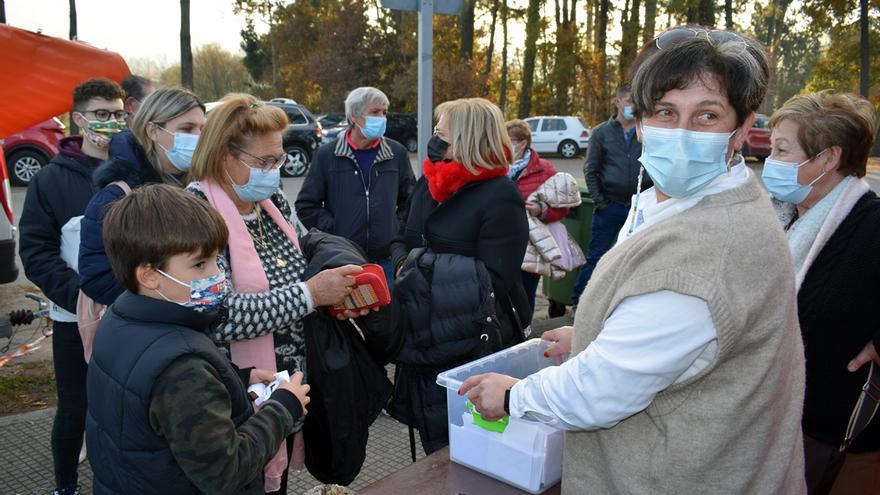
<point>261,239</point>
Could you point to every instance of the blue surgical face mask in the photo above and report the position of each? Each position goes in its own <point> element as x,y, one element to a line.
<point>681,162</point>
<point>374,127</point>
<point>628,112</point>
<point>205,294</point>
<point>181,153</point>
<point>781,180</point>
<point>260,185</point>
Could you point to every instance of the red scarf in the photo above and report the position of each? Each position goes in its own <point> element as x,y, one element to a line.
<point>445,178</point>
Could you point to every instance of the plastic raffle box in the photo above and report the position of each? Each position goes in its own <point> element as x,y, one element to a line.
<point>522,453</point>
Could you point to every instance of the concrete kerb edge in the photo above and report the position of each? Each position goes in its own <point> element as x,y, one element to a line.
<point>27,417</point>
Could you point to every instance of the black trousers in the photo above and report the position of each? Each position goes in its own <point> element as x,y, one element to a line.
<point>69,426</point>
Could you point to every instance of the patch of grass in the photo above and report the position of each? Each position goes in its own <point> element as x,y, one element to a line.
<point>26,387</point>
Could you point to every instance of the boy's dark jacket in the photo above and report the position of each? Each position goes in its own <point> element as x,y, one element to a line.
<point>137,340</point>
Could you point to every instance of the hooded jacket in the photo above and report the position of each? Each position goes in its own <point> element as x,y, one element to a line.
<point>59,192</point>
<point>128,163</point>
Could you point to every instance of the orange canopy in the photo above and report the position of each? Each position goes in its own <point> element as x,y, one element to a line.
<point>38,74</point>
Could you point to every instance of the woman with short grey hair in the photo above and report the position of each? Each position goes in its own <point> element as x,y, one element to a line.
<point>687,372</point>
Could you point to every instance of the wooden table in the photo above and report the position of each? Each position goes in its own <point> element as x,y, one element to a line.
<point>437,475</point>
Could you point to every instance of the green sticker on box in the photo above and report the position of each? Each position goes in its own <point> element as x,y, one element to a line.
<point>495,426</point>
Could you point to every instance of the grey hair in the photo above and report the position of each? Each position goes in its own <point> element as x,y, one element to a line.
<point>739,66</point>
<point>358,99</point>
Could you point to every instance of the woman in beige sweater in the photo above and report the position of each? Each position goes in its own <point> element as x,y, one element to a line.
<point>687,372</point>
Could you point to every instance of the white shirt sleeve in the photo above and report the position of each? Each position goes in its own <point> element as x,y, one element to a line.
<point>648,343</point>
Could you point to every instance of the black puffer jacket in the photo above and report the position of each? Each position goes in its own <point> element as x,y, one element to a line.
<point>450,307</point>
<point>59,192</point>
<point>349,384</point>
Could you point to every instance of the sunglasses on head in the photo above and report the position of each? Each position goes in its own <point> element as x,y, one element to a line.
<point>668,38</point>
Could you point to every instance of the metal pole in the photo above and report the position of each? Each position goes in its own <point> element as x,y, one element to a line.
<point>426,37</point>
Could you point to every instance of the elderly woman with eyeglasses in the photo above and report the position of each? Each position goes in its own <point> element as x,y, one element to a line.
<point>236,169</point>
<point>686,372</point>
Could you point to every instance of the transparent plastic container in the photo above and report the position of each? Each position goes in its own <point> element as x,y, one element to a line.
<point>527,455</point>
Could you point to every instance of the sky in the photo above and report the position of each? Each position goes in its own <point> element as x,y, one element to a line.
<point>135,29</point>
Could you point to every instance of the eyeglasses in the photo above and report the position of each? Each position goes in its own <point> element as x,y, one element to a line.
<point>664,40</point>
<point>102,115</point>
<point>264,164</point>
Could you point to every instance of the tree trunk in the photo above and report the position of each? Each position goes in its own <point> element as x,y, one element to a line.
<point>650,20</point>
<point>72,19</point>
<point>728,14</point>
<point>466,23</point>
<point>491,50</point>
<point>706,13</point>
<point>2,11</point>
<point>602,35</point>
<point>186,62</point>
<point>630,41</point>
<point>533,18</point>
<point>502,97</point>
<point>73,128</point>
<point>864,47</point>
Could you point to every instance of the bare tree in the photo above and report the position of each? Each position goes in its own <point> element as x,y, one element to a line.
<point>466,22</point>
<point>73,127</point>
<point>186,61</point>
<point>533,18</point>
<point>490,51</point>
<point>502,99</point>
<point>864,48</point>
<point>2,11</point>
<point>650,20</point>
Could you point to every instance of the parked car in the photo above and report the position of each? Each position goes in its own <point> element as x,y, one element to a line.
<point>757,143</point>
<point>332,119</point>
<point>565,135</point>
<point>403,128</point>
<point>302,138</point>
<point>31,149</point>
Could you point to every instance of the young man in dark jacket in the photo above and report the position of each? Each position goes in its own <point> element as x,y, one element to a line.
<point>359,186</point>
<point>57,194</point>
<point>612,173</point>
<point>167,411</point>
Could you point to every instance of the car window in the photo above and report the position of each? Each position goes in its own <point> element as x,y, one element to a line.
<point>760,123</point>
<point>295,116</point>
<point>533,124</point>
<point>553,125</point>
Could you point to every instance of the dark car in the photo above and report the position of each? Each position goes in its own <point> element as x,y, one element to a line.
<point>403,128</point>
<point>31,149</point>
<point>302,138</point>
<point>757,142</point>
<point>332,119</point>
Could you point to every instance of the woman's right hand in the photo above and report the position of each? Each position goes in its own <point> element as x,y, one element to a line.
<point>561,338</point>
<point>296,387</point>
<point>329,287</point>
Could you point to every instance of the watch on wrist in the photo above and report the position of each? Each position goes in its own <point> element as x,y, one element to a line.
<point>507,402</point>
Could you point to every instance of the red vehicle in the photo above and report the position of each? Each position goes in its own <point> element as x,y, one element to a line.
<point>31,149</point>
<point>758,139</point>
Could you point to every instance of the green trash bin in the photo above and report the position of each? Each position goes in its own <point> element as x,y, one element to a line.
<point>579,223</point>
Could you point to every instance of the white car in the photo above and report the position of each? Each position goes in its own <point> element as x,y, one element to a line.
<point>565,135</point>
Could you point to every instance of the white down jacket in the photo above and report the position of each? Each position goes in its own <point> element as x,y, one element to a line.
<point>543,254</point>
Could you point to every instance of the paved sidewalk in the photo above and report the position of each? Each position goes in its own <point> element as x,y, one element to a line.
<point>26,459</point>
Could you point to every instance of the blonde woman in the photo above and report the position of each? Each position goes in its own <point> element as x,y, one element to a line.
<point>236,169</point>
<point>471,218</point>
<point>158,149</point>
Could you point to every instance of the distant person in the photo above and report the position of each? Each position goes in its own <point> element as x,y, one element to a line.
<point>530,171</point>
<point>57,194</point>
<point>166,130</point>
<point>359,186</point>
<point>136,88</point>
<point>820,147</point>
<point>168,412</point>
<point>612,173</point>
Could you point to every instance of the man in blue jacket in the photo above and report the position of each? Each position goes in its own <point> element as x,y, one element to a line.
<point>56,198</point>
<point>359,185</point>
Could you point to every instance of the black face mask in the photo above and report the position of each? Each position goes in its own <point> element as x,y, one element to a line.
<point>436,148</point>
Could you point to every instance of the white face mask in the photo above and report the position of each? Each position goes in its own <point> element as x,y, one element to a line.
<point>681,162</point>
